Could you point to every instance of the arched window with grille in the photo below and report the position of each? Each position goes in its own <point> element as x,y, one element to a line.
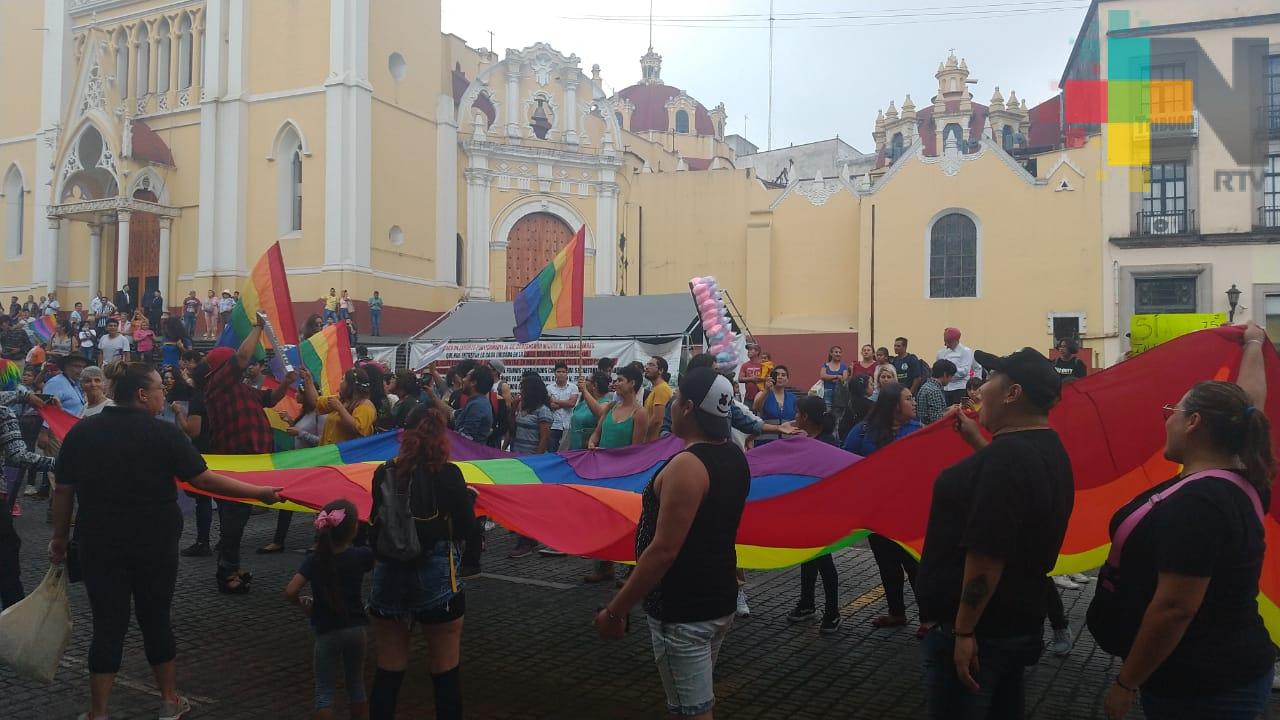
<point>164,56</point>
<point>895,146</point>
<point>682,121</point>
<point>288,153</point>
<point>143,84</point>
<point>14,212</point>
<point>122,64</point>
<point>184,52</point>
<point>953,256</point>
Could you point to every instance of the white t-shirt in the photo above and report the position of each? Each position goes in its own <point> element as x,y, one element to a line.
<point>112,348</point>
<point>91,410</point>
<point>963,359</point>
<point>52,307</point>
<point>562,415</point>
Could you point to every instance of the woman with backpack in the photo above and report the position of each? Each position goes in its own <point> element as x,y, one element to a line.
<point>422,509</point>
<point>891,418</point>
<point>1177,597</point>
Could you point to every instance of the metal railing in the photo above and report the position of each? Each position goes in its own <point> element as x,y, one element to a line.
<point>1269,216</point>
<point>1165,223</point>
<point>1269,120</point>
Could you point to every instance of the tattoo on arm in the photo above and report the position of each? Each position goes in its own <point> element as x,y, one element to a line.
<point>976,591</point>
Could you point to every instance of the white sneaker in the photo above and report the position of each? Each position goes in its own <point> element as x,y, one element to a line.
<point>1062,642</point>
<point>1064,582</point>
<point>1080,578</point>
<point>743,610</point>
<point>1275,680</point>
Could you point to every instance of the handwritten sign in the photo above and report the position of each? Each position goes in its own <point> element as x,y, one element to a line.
<point>1148,331</point>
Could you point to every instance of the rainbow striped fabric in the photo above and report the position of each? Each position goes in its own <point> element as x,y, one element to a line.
<point>553,299</point>
<point>808,498</point>
<point>268,290</point>
<point>327,354</point>
<point>44,328</point>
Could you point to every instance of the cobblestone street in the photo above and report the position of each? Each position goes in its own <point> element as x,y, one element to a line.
<point>529,651</point>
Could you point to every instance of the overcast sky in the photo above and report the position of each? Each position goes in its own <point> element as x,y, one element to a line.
<point>835,61</point>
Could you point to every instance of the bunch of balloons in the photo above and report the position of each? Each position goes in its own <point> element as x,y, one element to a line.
<point>715,322</point>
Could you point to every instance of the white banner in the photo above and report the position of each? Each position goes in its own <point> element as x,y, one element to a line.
<point>542,356</point>
<point>385,354</point>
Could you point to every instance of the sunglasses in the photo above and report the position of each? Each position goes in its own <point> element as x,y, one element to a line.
<point>1169,410</point>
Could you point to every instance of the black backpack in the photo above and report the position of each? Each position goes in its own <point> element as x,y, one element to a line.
<point>397,530</point>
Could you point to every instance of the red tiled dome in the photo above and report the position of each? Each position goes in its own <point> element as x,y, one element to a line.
<point>650,112</point>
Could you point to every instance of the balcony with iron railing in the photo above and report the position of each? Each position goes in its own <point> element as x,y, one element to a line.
<point>1269,121</point>
<point>1156,223</point>
<point>1268,217</point>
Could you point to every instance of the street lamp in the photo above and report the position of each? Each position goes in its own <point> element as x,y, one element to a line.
<point>1233,300</point>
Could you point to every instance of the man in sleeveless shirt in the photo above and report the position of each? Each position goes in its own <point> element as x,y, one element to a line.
<point>686,557</point>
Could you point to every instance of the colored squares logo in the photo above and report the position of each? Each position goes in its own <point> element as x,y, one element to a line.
<point>1135,97</point>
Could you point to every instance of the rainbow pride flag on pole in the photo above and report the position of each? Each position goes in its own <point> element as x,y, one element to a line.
<point>268,291</point>
<point>327,354</point>
<point>553,299</point>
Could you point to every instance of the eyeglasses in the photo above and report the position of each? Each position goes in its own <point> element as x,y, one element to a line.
<point>1169,410</point>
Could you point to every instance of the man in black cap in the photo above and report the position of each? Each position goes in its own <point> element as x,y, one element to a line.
<point>685,553</point>
<point>996,525</point>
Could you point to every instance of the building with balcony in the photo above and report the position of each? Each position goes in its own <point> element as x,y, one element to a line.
<point>1191,195</point>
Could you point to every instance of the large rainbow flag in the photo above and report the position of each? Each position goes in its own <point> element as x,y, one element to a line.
<point>808,498</point>
<point>268,291</point>
<point>553,299</point>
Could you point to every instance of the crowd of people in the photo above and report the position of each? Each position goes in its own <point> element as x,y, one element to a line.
<point>1179,604</point>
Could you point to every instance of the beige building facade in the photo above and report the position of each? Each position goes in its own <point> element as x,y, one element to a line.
<point>384,154</point>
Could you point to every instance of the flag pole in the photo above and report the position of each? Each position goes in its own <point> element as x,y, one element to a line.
<point>580,351</point>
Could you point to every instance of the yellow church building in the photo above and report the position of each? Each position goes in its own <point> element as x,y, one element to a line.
<point>167,143</point>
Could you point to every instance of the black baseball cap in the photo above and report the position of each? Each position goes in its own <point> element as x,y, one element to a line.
<point>1029,369</point>
<point>712,396</point>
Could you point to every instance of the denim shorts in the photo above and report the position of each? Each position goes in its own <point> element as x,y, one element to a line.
<point>1246,702</point>
<point>686,656</point>
<point>407,590</point>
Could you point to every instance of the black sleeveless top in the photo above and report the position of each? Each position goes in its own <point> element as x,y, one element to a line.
<point>701,584</point>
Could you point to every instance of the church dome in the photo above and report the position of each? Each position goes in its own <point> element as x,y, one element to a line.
<point>650,97</point>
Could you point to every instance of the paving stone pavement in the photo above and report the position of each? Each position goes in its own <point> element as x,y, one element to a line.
<point>528,650</point>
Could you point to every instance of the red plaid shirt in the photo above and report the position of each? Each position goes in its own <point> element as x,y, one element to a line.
<point>233,409</point>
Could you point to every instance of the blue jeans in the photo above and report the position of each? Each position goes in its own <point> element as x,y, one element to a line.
<point>686,657</point>
<point>345,645</point>
<point>1000,664</point>
<point>407,589</point>
<point>330,317</point>
<point>189,322</point>
<point>375,321</point>
<point>1246,702</point>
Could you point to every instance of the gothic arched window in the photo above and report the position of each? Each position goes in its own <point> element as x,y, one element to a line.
<point>164,56</point>
<point>953,257</point>
<point>1007,138</point>
<point>953,136</point>
<point>682,121</point>
<point>895,146</point>
<point>15,220</point>
<point>184,53</point>
<point>143,85</point>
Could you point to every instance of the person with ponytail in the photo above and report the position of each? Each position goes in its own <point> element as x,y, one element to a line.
<point>422,510</point>
<point>817,422</point>
<point>128,524</point>
<point>1179,600</point>
<point>351,413</point>
<point>336,607</point>
<point>893,416</point>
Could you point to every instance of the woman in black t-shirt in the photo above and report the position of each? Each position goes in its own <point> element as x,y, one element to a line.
<point>813,418</point>
<point>1187,584</point>
<point>128,523</point>
<point>427,589</point>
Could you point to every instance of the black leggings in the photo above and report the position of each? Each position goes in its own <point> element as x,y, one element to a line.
<point>895,566</point>
<point>113,576</point>
<point>809,572</point>
<point>10,568</point>
<point>283,518</point>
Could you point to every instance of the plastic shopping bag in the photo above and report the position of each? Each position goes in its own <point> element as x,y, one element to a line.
<point>34,632</point>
